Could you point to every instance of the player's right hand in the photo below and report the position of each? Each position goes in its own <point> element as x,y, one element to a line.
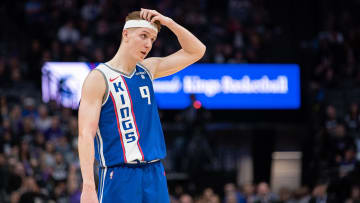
<point>152,16</point>
<point>88,195</point>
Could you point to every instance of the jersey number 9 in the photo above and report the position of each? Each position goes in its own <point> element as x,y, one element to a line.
<point>145,93</point>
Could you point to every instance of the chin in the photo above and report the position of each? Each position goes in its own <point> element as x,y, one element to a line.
<point>137,58</point>
<point>141,58</point>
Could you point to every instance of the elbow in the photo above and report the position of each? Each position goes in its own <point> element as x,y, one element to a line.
<point>202,51</point>
<point>87,133</point>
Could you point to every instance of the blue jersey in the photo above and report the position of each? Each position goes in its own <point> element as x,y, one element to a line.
<point>129,125</point>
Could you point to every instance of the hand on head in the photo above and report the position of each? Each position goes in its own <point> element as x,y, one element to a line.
<point>153,15</point>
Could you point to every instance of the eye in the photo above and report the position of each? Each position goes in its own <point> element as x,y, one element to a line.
<point>143,36</point>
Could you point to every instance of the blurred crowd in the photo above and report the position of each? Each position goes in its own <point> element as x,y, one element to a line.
<point>90,30</point>
<point>38,153</point>
<point>38,142</point>
<point>261,193</point>
<point>334,86</point>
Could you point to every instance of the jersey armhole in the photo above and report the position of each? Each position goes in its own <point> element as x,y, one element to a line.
<point>147,70</point>
<point>106,95</point>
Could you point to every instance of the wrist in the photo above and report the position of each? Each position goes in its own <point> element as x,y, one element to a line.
<point>169,22</point>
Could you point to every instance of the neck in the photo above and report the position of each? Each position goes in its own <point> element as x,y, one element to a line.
<point>123,61</point>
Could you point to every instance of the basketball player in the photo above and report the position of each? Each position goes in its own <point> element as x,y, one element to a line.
<point>119,123</point>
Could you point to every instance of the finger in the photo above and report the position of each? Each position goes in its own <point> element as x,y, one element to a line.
<point>141,13</point>
<point>150,15</point>
<point>153,14</point>
<point>146,13</point>
<point>156,18</point>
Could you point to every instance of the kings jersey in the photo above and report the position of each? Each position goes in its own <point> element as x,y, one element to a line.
<point>129,124</point>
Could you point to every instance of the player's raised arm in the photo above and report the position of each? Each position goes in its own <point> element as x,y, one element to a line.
<point>89,111</point>
<point>192,49</point>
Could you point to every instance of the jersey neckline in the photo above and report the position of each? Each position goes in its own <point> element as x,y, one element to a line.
<point>122,73</point>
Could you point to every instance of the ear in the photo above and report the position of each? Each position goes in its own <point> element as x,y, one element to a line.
<point>125,35</point>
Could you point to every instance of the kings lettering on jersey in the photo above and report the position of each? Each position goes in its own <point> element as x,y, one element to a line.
<point>126,119</point>
<point>127,123</point>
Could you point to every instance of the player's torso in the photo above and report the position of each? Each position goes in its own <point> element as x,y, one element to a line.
<point>129,125</point>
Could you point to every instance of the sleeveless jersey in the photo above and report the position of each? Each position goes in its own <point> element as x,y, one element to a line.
<point>129,124</point>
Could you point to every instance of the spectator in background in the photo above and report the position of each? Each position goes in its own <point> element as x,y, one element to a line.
<point>68,33</point>
<point>39,142</point>
<point>231,193</point>
<point>16,178</point>
<point>186,198</point>
<point>60,193</point>
<point>48,157</point>
<point>285,195</point>
<point>302,195</point>
<point>320,195</point>
<point>355,195</point>
<point>30,192</point>
<point>349,163</point>
<point>73,185</point>
<point>7,142</point>
<point>90,10</point>
<point>60,171</point>
<point>28,131</point>
<point>331,119</point>
<point>249,192</point>
<point>352,120</point>
<point>339,143</point>
<point>54,131</point>
<point>208,196</point>
<point>42,121</point>
<point>264,195</point>
<point>29,108</point>
<point>198,152</point>
<point>16,120</point>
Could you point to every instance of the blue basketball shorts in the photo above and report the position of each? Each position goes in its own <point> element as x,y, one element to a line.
<point>133,183</point>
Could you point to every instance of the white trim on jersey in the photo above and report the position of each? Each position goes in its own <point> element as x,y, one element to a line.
<point>101,151</point>
<point>102,186</point>
<point>100,182</point>
<point>124,110</point>
<point>118,71</point>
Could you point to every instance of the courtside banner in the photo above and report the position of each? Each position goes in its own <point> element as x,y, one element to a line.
<point>232,86</point>
<point>215,86</point>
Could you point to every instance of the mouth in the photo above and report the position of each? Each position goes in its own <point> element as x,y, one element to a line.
<point>143,52</point>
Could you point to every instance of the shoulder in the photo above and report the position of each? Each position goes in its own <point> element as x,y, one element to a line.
<point>94,77</point>
<point>94,84</point>
<point>151,64</point>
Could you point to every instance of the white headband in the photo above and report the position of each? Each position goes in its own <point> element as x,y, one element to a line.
<point>140,23</point>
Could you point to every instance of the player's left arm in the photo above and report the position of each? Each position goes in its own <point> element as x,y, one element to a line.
<point>192,49</point>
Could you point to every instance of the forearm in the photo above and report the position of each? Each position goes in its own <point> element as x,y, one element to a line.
<point>86,156</point>
<point>187,40</point>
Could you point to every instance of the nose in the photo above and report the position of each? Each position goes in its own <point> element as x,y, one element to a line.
<point>148,44</point>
